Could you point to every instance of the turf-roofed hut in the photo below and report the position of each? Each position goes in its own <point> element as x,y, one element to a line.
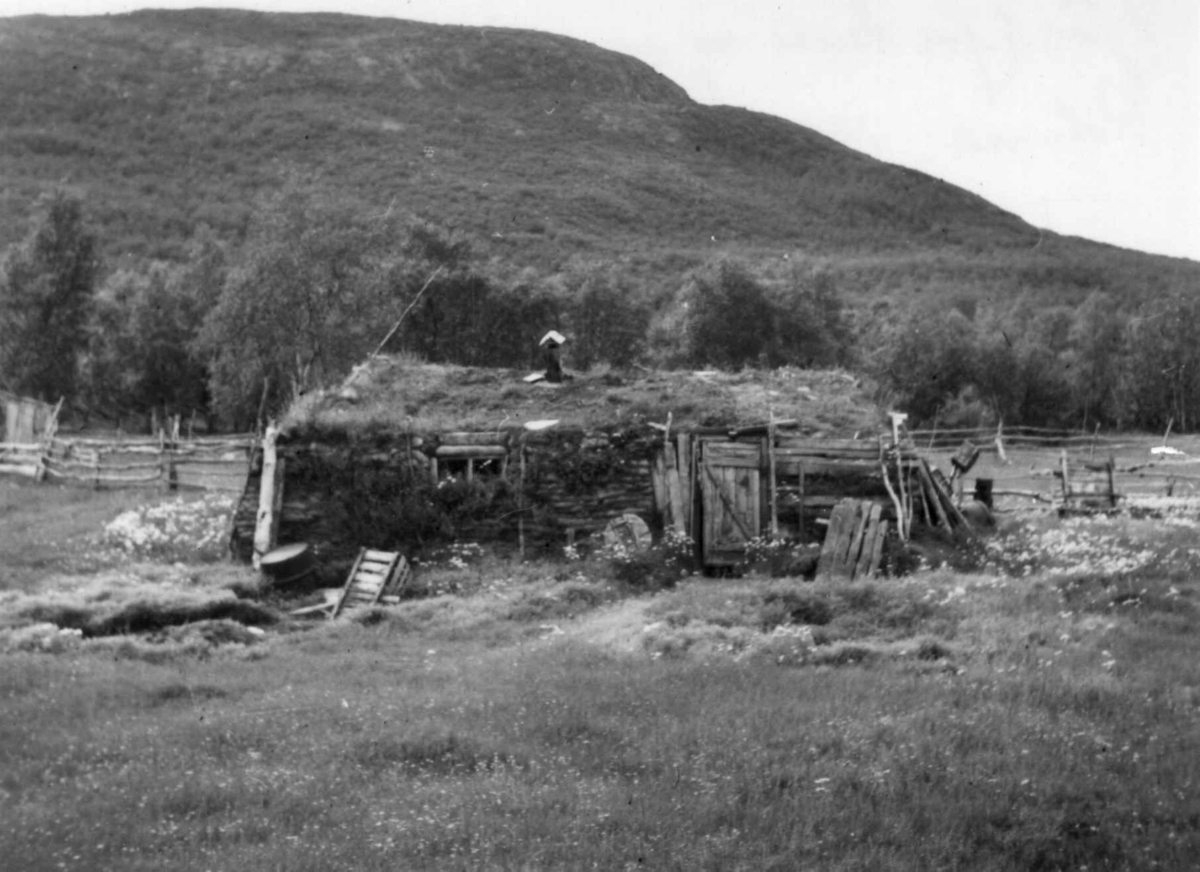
<point>409,456</point>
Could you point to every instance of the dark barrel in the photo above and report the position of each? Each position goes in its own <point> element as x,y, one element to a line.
<point>288,563</point>
<point>983,491</point>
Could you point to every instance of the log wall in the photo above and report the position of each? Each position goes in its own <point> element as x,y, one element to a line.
<point>574,484</point>
<point>559,485</point>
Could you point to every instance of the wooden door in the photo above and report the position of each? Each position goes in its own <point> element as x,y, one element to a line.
<point>730,485</point>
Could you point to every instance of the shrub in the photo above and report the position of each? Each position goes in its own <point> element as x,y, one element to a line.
<point>796,607</point>
<point>654,568</point>
<point>782,558</point>
<point>931,649</point>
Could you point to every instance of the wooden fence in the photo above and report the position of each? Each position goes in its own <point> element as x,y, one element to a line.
<point>213,463</point>
<point>1025,462</point>
<point>1002,439</point>
<point>21,458</point>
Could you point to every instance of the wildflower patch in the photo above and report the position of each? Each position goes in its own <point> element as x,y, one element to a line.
<point>191,530</point>
<point>1110,545</point>
<point>662,565</point>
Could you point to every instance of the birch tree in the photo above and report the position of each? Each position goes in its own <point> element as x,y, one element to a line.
<point>46,298</point>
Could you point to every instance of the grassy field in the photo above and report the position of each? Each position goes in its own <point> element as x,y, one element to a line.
<point>1035,712</point>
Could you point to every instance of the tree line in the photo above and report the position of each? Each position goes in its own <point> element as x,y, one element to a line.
<point>238,333</point>
<point>1097,364</point>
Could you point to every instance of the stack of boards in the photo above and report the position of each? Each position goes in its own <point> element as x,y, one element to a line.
<point>853,546</point>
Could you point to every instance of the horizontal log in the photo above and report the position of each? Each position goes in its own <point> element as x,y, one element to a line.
<point>66,464</point>
<point>732,449</point>
<point>83,442</point>
<point>239,475</point>
<point>232,488</point>
<point>102,478</point>
<point>29,470</point>
<point>727,454</point>
<point>491,438</point>
<point>236,439</point>
<point>123,480</point>
<point>466,452</point>
<point>1164,476</point>
<point>128,467</point>
<point>826,445</point>
<point>732,461</point>
<point>789,466</point>
<point>1028,494</point>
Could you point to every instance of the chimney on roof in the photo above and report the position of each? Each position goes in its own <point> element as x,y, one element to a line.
<point>552,342</point>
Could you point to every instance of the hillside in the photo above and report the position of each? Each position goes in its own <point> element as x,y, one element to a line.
<point>546,151</point>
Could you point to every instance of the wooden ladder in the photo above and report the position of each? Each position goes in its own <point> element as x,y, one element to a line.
<point>375,574</point>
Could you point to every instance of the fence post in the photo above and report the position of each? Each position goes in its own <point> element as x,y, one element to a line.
<point>169,456</point>
<point>265,523</point>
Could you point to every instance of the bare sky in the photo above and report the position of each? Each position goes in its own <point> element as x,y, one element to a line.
<point>1082,116</point>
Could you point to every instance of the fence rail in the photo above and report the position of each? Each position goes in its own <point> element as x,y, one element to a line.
<point>213,463</point>
<point>1001,441</point>
<point>1025,462</point>
<point>19,458</point>
<point>1015,437</point>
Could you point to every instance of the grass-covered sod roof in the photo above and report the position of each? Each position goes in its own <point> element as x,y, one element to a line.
<point>395,394</point>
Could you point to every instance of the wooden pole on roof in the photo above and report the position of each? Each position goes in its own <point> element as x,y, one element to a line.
<point>404,314</point>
